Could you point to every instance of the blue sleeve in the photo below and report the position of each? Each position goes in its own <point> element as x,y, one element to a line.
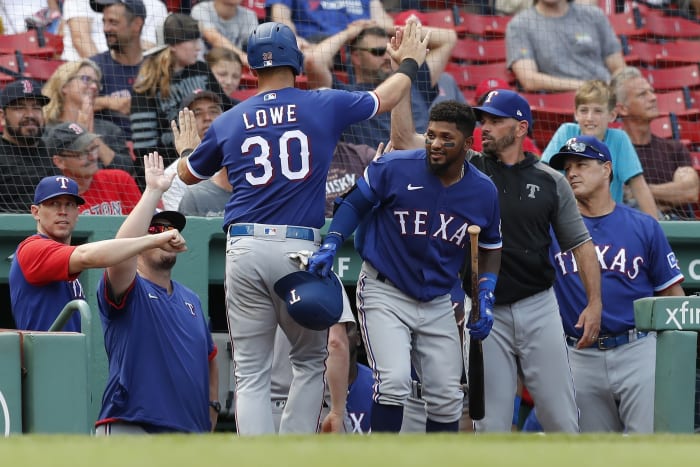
<point>563,133</point>
<point>354,207</point>
<point>207,159</point>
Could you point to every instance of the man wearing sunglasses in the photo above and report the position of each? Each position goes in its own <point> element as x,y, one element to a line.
<point>45,267</point>
<point>163,375</point>
<point>615,376</point>
<point>371,66</point>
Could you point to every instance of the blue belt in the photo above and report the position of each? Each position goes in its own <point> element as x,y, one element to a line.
<point>610,342</point>
<point>248,230</point>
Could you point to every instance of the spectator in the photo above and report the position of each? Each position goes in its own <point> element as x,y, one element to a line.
<point>45,267</point>
<point>314,22</point>
<point>83,34</point>
<point>166,77</point>
<point>667,167</point>
<point>24,160</point>
<point>371,65</point>
<point>275,196</point>
<point>105,191</point>
<point>227,68</point>
<point>205,106</point>
<point>147,319</point>
<point>14,15</point>
<point>73,89</point>
<point>595,109</point>
<point>123,22</point>
<point>615,378</point>
<point>534,199</point>
<point>225,23</point>
<point>549,49</point>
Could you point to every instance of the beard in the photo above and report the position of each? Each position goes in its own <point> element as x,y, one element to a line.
<point>116,45</point>
<point>25,138</point>
<point>495,148</point>
<point>437,169</point>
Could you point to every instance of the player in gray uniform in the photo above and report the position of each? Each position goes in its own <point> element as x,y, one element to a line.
<point>527,335</point>
<point>614,377</point>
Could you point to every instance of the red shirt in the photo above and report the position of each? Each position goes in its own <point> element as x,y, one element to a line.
<point>112,192</point>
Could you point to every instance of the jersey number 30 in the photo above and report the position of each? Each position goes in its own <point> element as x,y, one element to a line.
<point>263,160</point>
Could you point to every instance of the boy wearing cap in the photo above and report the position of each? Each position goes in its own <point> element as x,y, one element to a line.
<point>104,191</point>
<point>24,160</point>
<point>45,267</point>
<point>614,377</point>
<point>527,331</point>
<point>595,109</point>
<point>163,375</point>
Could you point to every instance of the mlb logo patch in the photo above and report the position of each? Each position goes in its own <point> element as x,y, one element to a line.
<point>270,96</point>
<point>672,261</point>
<point>270,231</point>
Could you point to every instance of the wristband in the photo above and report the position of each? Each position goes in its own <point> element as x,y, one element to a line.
<point>334,238</point>
<point>186,152</point>
<point>487,281</point>
<point>409,67</point>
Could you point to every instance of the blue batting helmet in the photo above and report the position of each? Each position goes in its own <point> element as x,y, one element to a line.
<point>274,44</point>
<point>312,301</point>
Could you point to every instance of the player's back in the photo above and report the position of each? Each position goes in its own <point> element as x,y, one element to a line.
<point>277,147</point>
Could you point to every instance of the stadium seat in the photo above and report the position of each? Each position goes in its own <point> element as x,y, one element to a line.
<point>33,42</point>
<point>9,68</point>
<point>677,102</point>
<point>469,76</point>
<point>667,54</point>
<point>39,68</point>
<point>436,18</point>
<point>689,130</point>
<point>695,160</point>
<point>476,51</point>
<point>482,25</point>
<point>629,23</point>
<point>671,27</point>
<point>665,127</point>
<point>563,101</point>
<point>663,79</point>
<point>546,121</point>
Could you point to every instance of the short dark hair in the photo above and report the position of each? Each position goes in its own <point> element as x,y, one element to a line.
<point>455,112</point>
<point>372,31</point>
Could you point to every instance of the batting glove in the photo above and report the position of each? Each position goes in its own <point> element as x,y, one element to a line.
<point>321,262</point>
<point>481,329</point>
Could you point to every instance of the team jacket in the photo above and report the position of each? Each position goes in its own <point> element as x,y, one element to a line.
<point>533,197</point>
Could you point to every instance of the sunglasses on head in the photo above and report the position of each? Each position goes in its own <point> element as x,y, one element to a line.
<point>580,147</point>
<point>376,51</point>
<point>159,228</point>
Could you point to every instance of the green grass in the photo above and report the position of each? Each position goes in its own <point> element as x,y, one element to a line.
<point>464,450</point>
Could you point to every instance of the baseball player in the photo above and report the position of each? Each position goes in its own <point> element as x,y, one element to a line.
<point>415,207</point>
<point>527,333</point>
<point>163,375</point>
<point>277,148</point>
<point>45,267</point>
<point>614,377</point>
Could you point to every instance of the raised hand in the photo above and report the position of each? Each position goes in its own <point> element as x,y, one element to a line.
<point>154,170</point>
<point>186,136</point>
<point>407,43</point>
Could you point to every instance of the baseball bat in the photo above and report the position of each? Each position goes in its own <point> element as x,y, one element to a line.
<point>476,352</point>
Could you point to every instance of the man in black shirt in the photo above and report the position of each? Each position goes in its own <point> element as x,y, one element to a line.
<point>24,160</point>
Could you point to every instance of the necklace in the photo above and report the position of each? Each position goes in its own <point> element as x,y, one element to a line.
<point>461,174</point>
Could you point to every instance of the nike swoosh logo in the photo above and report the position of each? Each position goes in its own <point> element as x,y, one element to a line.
<point>412,188</point>
<point>150,295</point>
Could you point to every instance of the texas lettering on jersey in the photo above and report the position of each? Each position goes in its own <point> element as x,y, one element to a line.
<point>610,260</point>
<point>414,223</point>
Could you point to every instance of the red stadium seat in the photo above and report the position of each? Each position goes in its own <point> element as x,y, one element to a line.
<point>664,127</point>
<point>9,69</point>
<point>563,101</point>
<point>689,130</point>
<point>40,68</point>
<point>32,43</point>
<point>675,102</point>
<point>546,121</point>
<point>628,24</point>
<point>482,25</point>
<point>663,79</point>
<point>671,27</point>
<point>471,50</point>
<point>469,76</point>
<point>436,18</point>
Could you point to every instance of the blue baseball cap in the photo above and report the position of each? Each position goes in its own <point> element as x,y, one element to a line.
<point>312,301</point>
<point>508,104</point>
<point>56,185</point>
<point>582,146</point>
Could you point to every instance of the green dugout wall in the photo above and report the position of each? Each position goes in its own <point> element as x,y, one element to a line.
<point>202,269</point>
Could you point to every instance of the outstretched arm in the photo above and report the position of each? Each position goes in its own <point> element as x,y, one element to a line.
<point>403,130</point>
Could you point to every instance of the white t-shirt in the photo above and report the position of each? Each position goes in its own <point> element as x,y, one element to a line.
<point>13,13</point>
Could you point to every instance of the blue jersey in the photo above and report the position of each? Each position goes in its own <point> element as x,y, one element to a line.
<point>417,235</point>
<point>636,261</point>
<point>277,148</point>
<point>319,19</point>
<point>359,401</point>
<point>41,285</point>
<point>159,347</point>
<point>117,81</point>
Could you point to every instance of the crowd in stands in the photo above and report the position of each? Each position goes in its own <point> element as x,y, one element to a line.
<point>129,69</point>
